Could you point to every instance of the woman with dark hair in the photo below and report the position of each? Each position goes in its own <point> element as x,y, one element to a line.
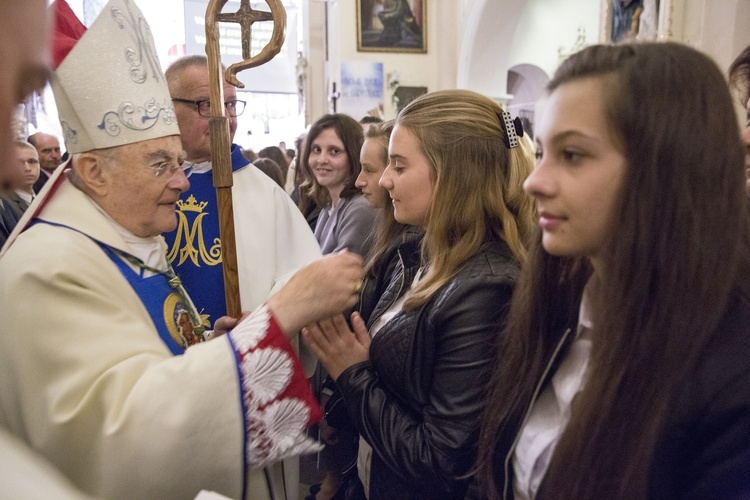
<point>625,362</point>
<point>331,161</point>
<point>330,166</point>
<point>416,391</point>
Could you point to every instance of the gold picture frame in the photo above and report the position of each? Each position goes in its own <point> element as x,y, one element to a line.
<point>655,20</point>
<point>392,26</point>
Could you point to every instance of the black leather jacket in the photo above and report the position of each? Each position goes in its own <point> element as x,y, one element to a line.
<point>418,399</point>
<point>374,286</point>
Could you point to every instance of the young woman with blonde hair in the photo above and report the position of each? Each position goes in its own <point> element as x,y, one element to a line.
<point>415,392</point>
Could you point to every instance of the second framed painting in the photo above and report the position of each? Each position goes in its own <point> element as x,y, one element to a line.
<point>392,25</point>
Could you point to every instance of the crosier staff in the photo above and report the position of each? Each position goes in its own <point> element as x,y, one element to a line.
<point>219,124</point>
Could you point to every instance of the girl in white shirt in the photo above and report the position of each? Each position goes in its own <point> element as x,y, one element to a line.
<point>625,367</point>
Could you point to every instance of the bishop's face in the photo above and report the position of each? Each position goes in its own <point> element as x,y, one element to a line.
<point>136,197</point>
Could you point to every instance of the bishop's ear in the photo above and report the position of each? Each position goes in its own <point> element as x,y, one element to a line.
<point>93,174</point>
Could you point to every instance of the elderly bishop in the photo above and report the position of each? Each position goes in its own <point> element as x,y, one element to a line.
<point>107,369</point>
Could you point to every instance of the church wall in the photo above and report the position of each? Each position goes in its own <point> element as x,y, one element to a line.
<point>500,34</point>
<point>721,28</point>
<point>435,70</point>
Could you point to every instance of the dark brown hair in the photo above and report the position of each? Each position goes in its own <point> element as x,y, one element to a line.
<point>679,247</point>
<point>271,169</point>
<point>350,133</point>
<point>277,155</point>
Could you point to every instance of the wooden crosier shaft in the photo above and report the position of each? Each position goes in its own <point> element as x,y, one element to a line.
<point>223,186</point>
<point>221,157</point>
<point>221,161</point>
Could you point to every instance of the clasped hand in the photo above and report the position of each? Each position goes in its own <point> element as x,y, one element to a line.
<point>335,345</point>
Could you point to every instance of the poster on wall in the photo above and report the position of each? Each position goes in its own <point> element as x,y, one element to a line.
<point>361,89</point>
<point>392,25</point>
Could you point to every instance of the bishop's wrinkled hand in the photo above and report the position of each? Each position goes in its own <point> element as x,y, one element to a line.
<point>319,290</point>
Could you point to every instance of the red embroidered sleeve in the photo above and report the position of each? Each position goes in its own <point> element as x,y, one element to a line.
<point>279,405</point>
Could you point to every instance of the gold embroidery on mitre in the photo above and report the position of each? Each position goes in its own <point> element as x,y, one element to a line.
<point>209,256</point>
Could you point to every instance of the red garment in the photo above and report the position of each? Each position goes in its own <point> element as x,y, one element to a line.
<point>68,30</point>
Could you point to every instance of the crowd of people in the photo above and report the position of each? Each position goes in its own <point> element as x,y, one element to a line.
<point>482,314</point>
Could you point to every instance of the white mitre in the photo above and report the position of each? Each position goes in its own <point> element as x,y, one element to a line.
<point>110,89</point>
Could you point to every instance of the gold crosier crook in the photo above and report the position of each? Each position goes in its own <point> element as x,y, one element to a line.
<point>221,158</point>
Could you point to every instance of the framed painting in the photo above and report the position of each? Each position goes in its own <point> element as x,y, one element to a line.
<point>642,20</point>
<point>392,26</point>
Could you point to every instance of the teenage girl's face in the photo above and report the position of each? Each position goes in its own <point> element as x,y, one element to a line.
<point>579,171</point>
<point>373,166</point>
<point>408,178</point>
<point>329,162</point>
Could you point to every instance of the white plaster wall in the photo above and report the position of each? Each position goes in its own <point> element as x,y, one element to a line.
<point>548,26</point>
<point>720,28</point>
<point>314,53</point>
<point>473,43</point>
<point>500,34</point>
<point>503,33</point>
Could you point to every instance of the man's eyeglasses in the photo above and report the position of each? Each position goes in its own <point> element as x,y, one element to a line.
<point>234,107</point>
<point>160,169</point>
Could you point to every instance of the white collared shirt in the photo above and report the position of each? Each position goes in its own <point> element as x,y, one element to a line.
<point>551,411</point>
<point>198,168</point>
<point>25,195</point>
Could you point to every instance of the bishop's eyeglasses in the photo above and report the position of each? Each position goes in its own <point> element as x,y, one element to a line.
<point>234,107</point>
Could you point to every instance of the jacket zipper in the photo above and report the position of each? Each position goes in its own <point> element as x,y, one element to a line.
<point>508,457</point>
<point>373,319</point>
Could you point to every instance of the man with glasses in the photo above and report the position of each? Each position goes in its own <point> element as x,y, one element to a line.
<point>273,239</point>
<point>99,375</point>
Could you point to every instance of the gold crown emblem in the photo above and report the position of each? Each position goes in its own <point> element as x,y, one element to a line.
<point>191,205</point>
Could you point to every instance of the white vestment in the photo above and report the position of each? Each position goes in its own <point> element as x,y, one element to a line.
<point>90,385</point>
<point>270,248</point>
<point>273,242</point>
